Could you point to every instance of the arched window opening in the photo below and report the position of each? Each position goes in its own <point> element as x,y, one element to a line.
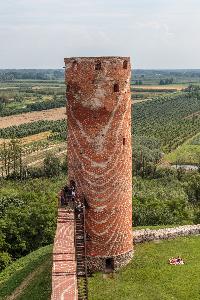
<point>116,87</point>
<point>98,66</point>
<point>125,64</point>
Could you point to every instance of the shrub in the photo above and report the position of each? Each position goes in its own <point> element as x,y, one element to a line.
<point>51,165</point>
<point>5,260</point>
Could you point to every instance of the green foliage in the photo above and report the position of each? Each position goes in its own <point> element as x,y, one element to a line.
<point>28,215</point>
<point>36,106</point>
<point>195,140</point>
<point>52,165</point>
<point>166,119</point>
<point>11,159</point>
<point>146,155</point>
<point>166,81</point>
<point>5,260</point>
<point>64,165</point>
<point>21,96</point>
<point>192,186</point>
<point>44,105</point>
<point>185,154</point>
<point>32,128</point>
<point>159,202</point>
<point>10,75</point>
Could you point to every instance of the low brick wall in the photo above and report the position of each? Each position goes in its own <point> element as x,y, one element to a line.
<point>64,281</point>
<point>147,235</point>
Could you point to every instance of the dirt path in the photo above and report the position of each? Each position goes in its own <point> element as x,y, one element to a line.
<point>50,114</point>
<point>20,289</point>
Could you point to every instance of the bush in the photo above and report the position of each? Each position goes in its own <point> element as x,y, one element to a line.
<point>160,202</point>
<point>28,216</point>
<point>5,260</point>
<point>52,165</point>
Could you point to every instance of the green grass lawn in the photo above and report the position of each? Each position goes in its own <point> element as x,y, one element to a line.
<point>149,277</point>
<point>39,287</point>
<point>187,153</point>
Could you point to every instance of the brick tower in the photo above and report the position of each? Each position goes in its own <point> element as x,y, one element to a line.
<point>99,154</point>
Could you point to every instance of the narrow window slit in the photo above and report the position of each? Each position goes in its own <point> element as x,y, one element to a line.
<point>74,63</point>
<point>124,141</point>
<point>98,66</point>
<point>116,87</point>
<point>125,64</point>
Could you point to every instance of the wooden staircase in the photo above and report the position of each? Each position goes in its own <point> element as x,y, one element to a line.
<point>80,246</point>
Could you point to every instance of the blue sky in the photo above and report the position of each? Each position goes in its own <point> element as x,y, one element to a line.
<point>155,33</point>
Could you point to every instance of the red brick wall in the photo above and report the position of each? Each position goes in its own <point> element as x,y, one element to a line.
<point>64,281</point>
<point>99,149</point>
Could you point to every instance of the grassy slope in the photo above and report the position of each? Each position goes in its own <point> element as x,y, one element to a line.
<point>149,277</point>
<point>15,274</point>
<point>187,153</point>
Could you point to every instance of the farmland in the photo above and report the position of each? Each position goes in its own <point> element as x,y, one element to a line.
<point>165,119</point>
<point>16,120</point>
<point>167,114</point>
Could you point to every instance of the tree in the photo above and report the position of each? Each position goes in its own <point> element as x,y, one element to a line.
<point>51,165</point>
<point>162,82</point>
<point>4,99</point>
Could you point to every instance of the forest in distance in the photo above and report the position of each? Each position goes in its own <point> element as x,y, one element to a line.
<point>148,76</point>
<point>33,165</point>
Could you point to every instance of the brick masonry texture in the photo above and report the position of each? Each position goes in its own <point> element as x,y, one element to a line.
<point>64,282</point>
<point>99,151</point>
<point>147,235</point>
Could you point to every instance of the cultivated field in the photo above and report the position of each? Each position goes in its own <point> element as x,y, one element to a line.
<point>177,87</point>
<point>16,120</point>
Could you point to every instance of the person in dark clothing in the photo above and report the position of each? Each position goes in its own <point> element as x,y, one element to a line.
<point>62,197</point>
<point>72,194</point>
<point>72,185</point>
<point>66,193</point>
<point>85,203</point>
<point>78,209</point>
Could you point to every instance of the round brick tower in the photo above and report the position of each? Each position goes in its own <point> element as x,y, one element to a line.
<point>99,154</point>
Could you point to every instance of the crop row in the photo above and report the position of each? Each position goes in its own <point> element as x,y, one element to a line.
<point>27,129</point>
<point>165,118</point>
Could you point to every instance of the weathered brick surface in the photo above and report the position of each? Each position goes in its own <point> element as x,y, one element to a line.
<point>99,149</point>
<point>64,282</point>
